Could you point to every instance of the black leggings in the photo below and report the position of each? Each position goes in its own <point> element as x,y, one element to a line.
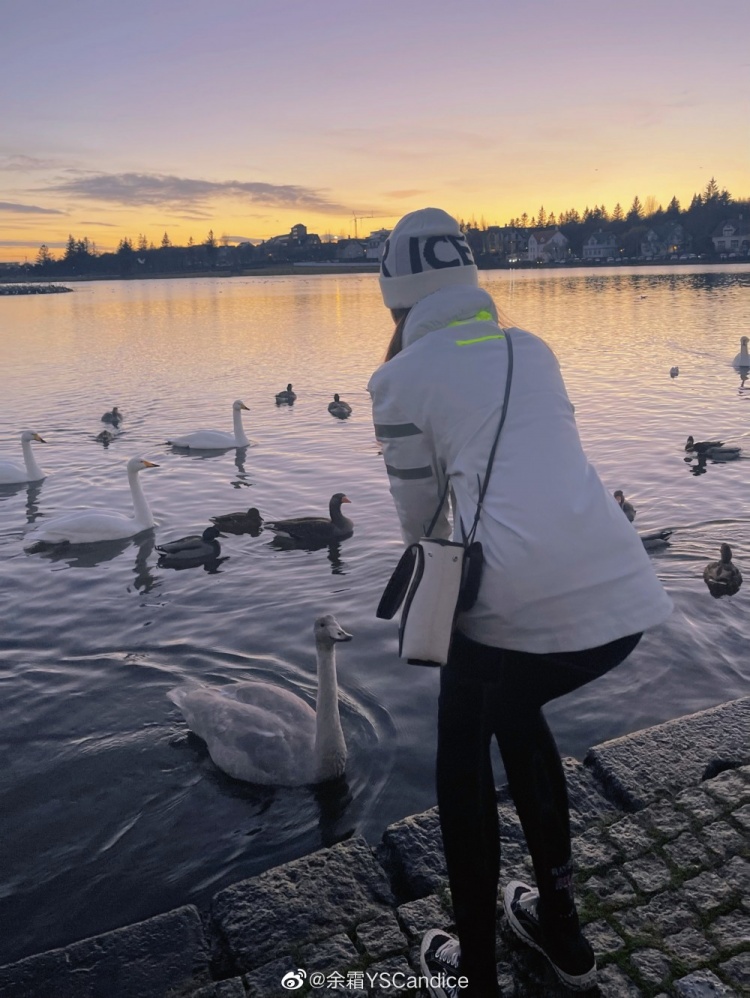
<point>487,691</point>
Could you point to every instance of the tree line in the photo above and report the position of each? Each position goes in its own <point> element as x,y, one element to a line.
<point>706,211</point>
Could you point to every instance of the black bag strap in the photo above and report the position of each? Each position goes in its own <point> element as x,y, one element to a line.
<point>468,538</point>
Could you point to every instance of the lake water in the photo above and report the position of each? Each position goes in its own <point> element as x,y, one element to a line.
<point>110,811</point>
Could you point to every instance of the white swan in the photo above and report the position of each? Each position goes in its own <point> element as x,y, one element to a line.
<point>86,526</point>
<point>743,357</point>
<point>265,734</point>
<point>12,473</point>
<point>216,439</point>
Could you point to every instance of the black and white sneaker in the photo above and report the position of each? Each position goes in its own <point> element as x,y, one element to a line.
<point>570,953</point>
<point>439,955</point>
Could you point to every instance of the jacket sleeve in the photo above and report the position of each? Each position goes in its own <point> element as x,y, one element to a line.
<point>415,475</point>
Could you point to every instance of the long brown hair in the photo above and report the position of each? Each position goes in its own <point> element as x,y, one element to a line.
<point>396,344</point>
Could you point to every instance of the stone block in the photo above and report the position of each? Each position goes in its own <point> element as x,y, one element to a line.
<point>737,971</point>
<point>701,984</point>
<point>603,938</point>
<point>690,947</point>
<point>736,872</point>
<point>613,888</point>
<point>592,850</point>
<point>742,816</point>
<point>304,901</point>
<point>663,915</point>
<point>707,891</point>
<point>652,966</point>
<point>699,806</point>
<point>687,853</point>
<point>731,931</point>
<point>587,803</point>
<point>337,953</point>
<point>381,936</point>
<point>630,837</point>
<point>637,769</point>
<point>649,874</point>
<point>723,840</point>
<point>411,851</point>
<point>417,917</point>
<point>265,982</point>
<point>614,984</point>
<point>730,787</point>
<point>144,960</point>
<point>665,819</point>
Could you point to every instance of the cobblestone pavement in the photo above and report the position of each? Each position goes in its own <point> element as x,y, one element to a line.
<point>661,845</point>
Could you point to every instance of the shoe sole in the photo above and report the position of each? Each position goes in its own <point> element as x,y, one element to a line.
<point>583,982</point>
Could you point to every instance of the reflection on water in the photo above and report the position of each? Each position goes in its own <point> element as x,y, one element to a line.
<point>111,813</point>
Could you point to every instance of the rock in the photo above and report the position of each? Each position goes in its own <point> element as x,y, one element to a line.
<point>144,960</point>
<point>329,892</point>
<point>637,769</point>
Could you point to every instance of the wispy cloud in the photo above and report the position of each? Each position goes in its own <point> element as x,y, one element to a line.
<point>104,225</point>
<point>25,243</point>
<point>28,209</point>
<point>26,163</point>
<point>185,193</point>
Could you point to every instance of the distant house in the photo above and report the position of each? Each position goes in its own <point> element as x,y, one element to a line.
<point>375,243</point>
<point>351,249</point>
<point>505,242</point>
<point>732,236</point>
<point>297,244</point>
<point>600,246</point>
<point>664,241</point>
<point>547,245</point>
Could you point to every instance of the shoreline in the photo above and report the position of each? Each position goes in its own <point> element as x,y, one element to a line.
<point>660,822</point>
<point>308,269</point>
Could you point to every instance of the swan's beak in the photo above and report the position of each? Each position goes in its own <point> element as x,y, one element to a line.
<point>149,464</point>
<point>344,499</point>
<point>243,406</point>
<point>342,635</point>
<point>39,440</point>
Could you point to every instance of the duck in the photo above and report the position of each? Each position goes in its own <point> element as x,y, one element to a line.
<point>216,439</point>
<point>674,371</point>
<point>715,449</point>
<point>339,409</point>
<point>316,529</point>
<point>106,437</point>
<point>702,446</point>
<point>239,522</point>
<point>627,508</point>
<point>88,526</point>
<point>723,574</point>
<point>262,733</point>
<point>192,548</point>
<point>743,357</point>
<point>287,397</point>
<point>655,539</point>
<point>114,417</point>
<point>13,473</point>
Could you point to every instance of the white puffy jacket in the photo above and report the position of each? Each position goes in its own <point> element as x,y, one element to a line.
<point>564,569</point>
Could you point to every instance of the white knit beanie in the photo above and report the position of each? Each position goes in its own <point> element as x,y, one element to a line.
<point>425,252</point>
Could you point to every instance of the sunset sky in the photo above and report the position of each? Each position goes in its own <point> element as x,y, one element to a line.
<point>249,116</point>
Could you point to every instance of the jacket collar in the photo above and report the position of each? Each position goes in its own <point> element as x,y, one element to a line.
<point>443,307</point>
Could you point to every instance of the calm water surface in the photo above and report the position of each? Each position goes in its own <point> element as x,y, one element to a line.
<point>111,811</point>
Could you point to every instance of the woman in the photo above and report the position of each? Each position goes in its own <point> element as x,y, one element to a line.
<point>566,592</point>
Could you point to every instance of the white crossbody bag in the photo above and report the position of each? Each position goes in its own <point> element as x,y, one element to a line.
<point>436,579</point>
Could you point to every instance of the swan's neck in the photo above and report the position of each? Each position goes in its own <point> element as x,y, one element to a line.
<point>330,747</point>
<point>32,468</point>
<point>143,515</point>
<point>239,431</point>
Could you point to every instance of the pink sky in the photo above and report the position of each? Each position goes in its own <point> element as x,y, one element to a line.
<point>248,116</point>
